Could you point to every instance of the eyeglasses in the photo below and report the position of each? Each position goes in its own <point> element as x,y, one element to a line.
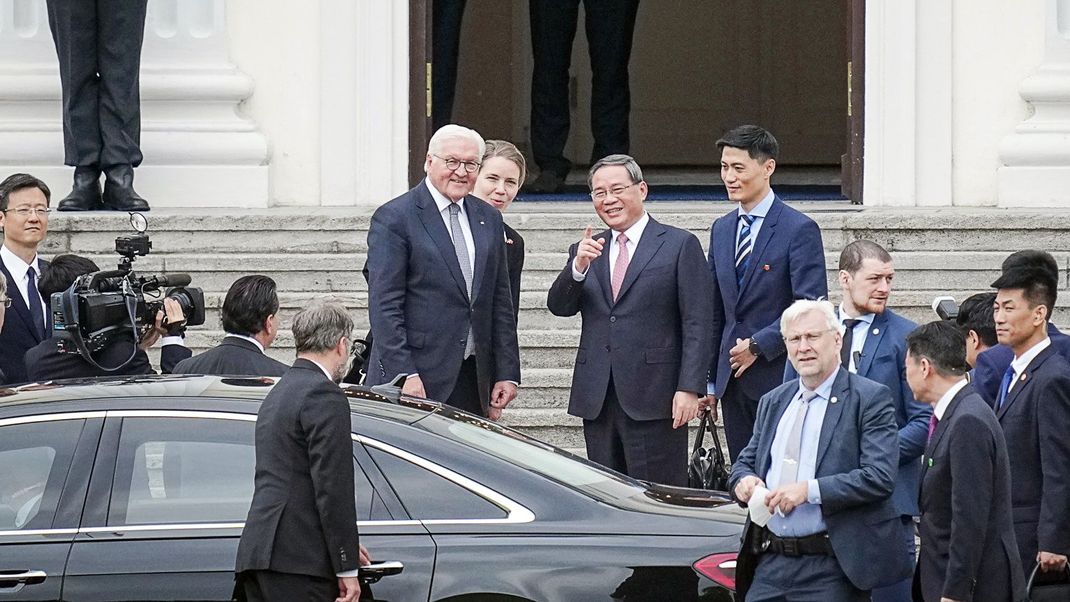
<point>809,337</point>
<point>452,164</point>
<point>6,301</point>
<point>602,193</point>
<point>26,211</point>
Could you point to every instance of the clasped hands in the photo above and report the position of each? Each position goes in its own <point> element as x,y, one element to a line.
<point>784,498</point>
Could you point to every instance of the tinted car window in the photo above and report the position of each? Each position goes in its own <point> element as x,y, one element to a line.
<point>428,496</point>
<point>196,470</point>
<point>34,459</point>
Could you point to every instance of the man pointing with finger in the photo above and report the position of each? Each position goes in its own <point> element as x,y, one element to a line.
<point>645,296</point>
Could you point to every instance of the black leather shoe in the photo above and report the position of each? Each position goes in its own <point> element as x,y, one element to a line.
<point>119,194</point>
<point>85,195</point>
<point>548,182</point>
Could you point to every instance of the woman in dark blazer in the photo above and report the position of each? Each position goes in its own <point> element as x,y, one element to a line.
<point>501,173</point>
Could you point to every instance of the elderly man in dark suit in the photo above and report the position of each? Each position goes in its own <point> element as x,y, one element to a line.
<point>438,286</point>
<point>300,540</point>
<point>24,214</point>
<point>644,294</point>
<point>251,321</point>
<point>968,550</point>
<point>763,255</point>
<point>823,460</point>
<point>1033,407</point>
<point>874,346</point>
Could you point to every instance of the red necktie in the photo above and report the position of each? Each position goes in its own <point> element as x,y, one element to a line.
<point>621,265</point>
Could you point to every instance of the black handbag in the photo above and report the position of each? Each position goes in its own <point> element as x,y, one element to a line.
<point>707,469</point>
<point>1048,589</point>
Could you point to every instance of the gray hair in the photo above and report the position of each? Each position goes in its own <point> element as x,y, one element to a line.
<point>627,161</point>
<point>804,306</point>
<point>320,326</point>
<point>452,131</point>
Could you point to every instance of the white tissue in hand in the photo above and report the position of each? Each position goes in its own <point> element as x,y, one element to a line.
<point>759,514</point>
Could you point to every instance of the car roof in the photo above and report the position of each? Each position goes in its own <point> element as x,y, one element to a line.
<point>362,400</point>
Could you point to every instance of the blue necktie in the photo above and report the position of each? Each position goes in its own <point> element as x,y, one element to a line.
<point>37,310</point>
<point>1004,384</point>
<point>743,248</point>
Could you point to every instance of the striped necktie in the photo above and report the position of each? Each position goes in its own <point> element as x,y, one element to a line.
<point>743,248</point>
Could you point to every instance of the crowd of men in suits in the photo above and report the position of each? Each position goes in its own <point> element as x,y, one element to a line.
<point>844,423</point>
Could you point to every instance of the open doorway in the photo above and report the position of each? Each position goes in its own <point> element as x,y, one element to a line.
<point>697,69</point>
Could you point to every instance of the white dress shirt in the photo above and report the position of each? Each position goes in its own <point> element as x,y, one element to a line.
<point>858,334</point>
<point>634,234</point>
<point>443,204</point>
<point>941,406</point>
<point>255,342</point>
<point>1022,362</point>
<point>19,271</point>
<point>758,213</point>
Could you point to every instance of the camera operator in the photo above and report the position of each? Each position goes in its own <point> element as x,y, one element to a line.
<point>250,319</point>
<point>977,325</point>
<point>47,362</point>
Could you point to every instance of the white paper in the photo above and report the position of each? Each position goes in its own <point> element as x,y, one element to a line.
<point>759,514</point>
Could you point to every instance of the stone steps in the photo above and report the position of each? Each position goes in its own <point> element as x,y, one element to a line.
<point>312,252</point>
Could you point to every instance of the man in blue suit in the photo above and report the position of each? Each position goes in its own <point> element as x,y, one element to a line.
<point>992,363</point>
<point>644,294</point>
<point>967,529</point>
<point>1033,407</point>
<point>438,285</point>
<point>823,456</point>
<point>24,218</point>
<point>874,346</point>
<point>763,255</point>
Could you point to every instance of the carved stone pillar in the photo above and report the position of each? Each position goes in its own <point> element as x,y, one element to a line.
<point>199,150</point>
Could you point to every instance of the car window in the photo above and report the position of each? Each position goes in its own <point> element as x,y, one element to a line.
<point>428,496</point>
<point>196,470</point>
<point>34,460</point>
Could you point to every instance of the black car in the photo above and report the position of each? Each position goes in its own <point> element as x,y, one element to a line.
<point>137,488</point>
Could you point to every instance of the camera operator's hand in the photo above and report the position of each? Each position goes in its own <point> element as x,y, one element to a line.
<point>172,311</point>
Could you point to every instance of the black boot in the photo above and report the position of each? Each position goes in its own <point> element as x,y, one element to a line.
<point>85,195</point>
<point>119,194</point>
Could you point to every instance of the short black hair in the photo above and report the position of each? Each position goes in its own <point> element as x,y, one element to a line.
<point>62,272</point>
<point>758,142</point>
<point>1037,259</point>
<point>855,253</point>
<point>976,314</point>
<point>249,302</point>
<point>18,181</point>
<point>943,344</point>
<point>1037,284</point>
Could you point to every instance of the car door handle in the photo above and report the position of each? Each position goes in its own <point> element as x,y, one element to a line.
<point>371,573</point>
<point>9,578</point>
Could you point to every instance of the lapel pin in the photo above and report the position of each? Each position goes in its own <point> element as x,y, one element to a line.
<point>1024,376</point>
<point>480,222</point>
<point>765,268</point>
<point>833,400</point>
<point>930,462</point>
<point>876,331</point>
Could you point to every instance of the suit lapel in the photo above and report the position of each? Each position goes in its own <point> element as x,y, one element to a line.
<point>833,411</point>
<point>1025,380</point>
<point>436,229</point>
<point>649,243</point>
<point>724,255</point>
<point>481,239</point>
<point>873,340</point>
<point>19,304</point>
<point>765,233</point>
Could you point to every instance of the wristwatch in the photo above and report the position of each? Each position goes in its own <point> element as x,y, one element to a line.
<point>755,350</point>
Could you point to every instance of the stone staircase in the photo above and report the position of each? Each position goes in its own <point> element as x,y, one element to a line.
<point>320,251</point>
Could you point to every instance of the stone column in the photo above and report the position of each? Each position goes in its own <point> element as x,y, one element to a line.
<point>199,150</point>
<point>1035,160</point>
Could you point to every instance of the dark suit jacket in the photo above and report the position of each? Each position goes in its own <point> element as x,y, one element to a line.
<point>655,340</point>
<point>882,361</point>
<point>514,257</point>
<point>419,306</point>
<point>968,550</point>
<point>855,474</point>
<point>993,362</point>
<point>303,517</point>
<point>45,362</point>
<point>18,334</point>
<point>232,357</point>
<point>787,263</point>
<point>1036,421</point>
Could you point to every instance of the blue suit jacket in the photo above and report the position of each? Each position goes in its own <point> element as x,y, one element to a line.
<point>18,335</point>
<point>855,473</point>
<point>418,302</point>
<point>654,340</point>
<point>993,362</point>
<point>882,360</point>
<point>1036,420</point>
<point>787,264</point>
